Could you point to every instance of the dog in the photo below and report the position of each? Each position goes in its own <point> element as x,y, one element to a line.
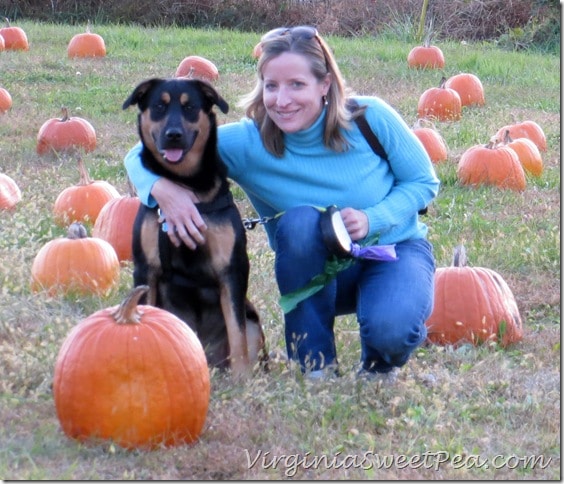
<point>205,287</point>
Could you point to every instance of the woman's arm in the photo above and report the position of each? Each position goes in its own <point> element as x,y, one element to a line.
<point>177,203</point>
<point>416,183</point>
<point>141,178</point>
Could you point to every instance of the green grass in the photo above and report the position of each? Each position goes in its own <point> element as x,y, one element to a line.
<point>474,403</point>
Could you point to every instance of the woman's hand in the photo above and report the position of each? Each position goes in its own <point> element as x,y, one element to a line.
<point>177,204</point>
<point>356,223</point>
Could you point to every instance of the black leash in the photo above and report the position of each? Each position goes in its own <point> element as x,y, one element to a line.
<point>251,223</point>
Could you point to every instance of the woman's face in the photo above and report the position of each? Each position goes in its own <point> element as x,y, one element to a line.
<point>292,95</point>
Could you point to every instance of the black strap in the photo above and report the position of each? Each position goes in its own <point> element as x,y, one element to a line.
<point>366,131</point>
<point>371,138</point>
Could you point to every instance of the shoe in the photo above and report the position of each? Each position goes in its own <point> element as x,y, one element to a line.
<point>316,375</point>
<point>380,379</point>
<point>327,373</point>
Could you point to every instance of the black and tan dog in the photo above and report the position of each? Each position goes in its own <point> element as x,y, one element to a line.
<point>205,287</point>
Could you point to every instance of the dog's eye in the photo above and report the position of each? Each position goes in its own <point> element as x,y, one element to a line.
<point>188,107</point>
<point>159,108</point>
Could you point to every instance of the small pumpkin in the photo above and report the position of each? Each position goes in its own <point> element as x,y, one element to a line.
<point>10,193</point>
<point>75,264</point>
<point>5,101</point>
<point>528,153</point>
<point>525,129</point>
<point>440,103</point>
<point>67,134</point>
<point>426,56</point>
<point>491,164</point>
<point>115,224</point>
<point>257,50</point>
<point>469,88</point>
<point>14,37</point>
<point>472,305</point>
<point>84,201</point>
<point>196,67</point>
<point>86,44</point>
<point>133,374</point>
<point>431,140</point>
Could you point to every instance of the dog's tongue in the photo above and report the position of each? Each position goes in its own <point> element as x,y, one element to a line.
<point>173,155</point>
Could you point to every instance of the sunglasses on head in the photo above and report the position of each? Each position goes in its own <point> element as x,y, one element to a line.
<point>304,32</point>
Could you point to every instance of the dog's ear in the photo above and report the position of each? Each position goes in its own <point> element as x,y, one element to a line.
<point>137,95</point>
<point>214,97</point>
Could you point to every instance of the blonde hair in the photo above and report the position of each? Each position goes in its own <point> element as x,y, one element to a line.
<point>322,62</point>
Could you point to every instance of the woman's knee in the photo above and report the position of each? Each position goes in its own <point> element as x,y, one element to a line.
<point>393,334</point>
<point>298,229</point>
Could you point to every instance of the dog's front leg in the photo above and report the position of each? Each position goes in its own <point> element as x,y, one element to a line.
<point>235,324</point>
<point>146,254</point>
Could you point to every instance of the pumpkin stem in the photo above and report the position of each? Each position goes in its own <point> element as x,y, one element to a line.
<point>77,231</point>
<point>493,143</point>
<point>88,26</point>
<point>507,137</point>
<point>65,112</point>
<point>84,176</point>
<point>7,21</point>
<point>127,312</point>
<point>459,258</point>
<point>443,82</point>
<point>424,123</point>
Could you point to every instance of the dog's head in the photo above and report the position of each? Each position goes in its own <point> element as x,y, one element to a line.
<point>176,120</point>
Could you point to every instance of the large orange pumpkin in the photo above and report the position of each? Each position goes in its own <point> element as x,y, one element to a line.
<point>525,129</point>
<point>472,305</point>
<point>431,139</point>
<point>469,88</point>
<point>10,193</point>
<point>14,37</point>
<point>84,201</point>
<point>115,224</point>
<point>426,56</point>
<point>75,264</point>
<point>66,134</point>
<point>528,153</point>
<point>491,164</point>
<point>135,375</point>
<point>196,67</point>
<point>86,44</point>
<point>440,103</point>
<point>5,100</point>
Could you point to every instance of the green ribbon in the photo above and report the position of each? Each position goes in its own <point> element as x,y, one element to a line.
<point>333,266</point>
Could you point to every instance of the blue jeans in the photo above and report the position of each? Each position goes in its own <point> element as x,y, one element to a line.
<point>392,300</point>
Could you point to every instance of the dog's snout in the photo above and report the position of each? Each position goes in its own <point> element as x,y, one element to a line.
<point>174,134</point>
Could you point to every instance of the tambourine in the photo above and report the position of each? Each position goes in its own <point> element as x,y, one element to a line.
<point>335,235</point>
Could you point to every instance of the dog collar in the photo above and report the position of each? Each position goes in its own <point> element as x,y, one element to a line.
<point>221,202</point>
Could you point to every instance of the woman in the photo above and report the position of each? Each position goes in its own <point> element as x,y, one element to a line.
<point>296,150</point>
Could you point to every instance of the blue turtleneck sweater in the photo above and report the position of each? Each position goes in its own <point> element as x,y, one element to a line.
<point>311,174</point>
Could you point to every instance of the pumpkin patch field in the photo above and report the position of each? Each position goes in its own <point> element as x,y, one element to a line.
<point>471,408</point>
